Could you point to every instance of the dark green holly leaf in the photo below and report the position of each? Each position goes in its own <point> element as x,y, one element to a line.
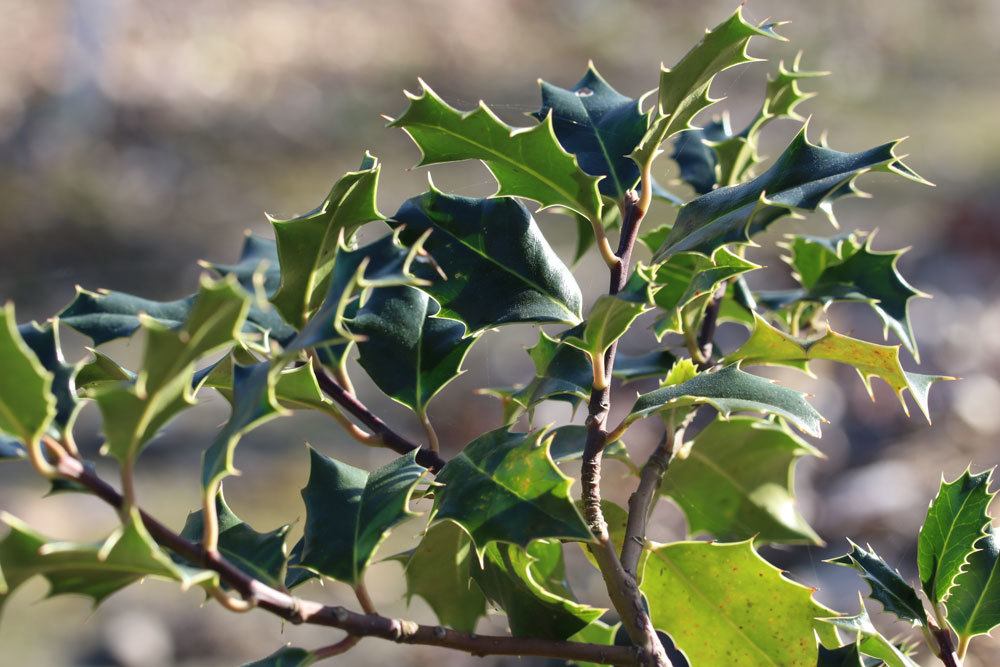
<point>696,159</point>
<point>737,481</point>
<point>526,163</point>
<point>44,342</point>
<point>562,373</point>
<point>101,371</point>
<point>684,90</point>
<point>382,263</point>
<point>843,656</point>
<point>974,603</point>
<point>809,256</point>
<point>11,449</point>
<point>308,244</point>
<point>350,511</point>
<point>598,125</point>
<point>896,596</point>
<point>612,315</point>
<point>956,520</point>
<point>134,411</point>
<point>498,267</point>
<point>687,283</point>
<point>287,656</point>
<point>640,366</point>
<point>770,346</point>
<point>708,597</point>
<point>261,555</point>
<point>440,571</point>
<point>27,405</point>
<point>406,350</point>
<point>105,315</point>
<point>520,581</point>
<point>731,390</point>
<point>804,177</point>
<point>505,487</point>
<point>257,270</point>
<point>253,402</point>
<point>869,640</point>
<point>92,570</point>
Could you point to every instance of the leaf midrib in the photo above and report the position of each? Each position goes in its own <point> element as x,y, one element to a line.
<point>944,546</point>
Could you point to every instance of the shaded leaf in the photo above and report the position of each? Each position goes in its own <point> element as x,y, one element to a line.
<point>869,640</point>
<point>504,487</point>
<point>736,482</point>
<point>725,605</point>
<point>731,390</point>
<point>568,443</point>
<point>287,656</point>
<point>973,603</point>
<point>527,163</point>
<point>804,177</point>
<point>498,267</point>
<point>694,155</point>
<point>956,520</point>
<point>519,581</point>
<point>598,125</point>
<point>106,315</point>
<point>562,373</point>
<point>11,449</point>
<point>260,555</point>
<point>350,511</point>
<point>843,656</point>
<point>408,352</point>
<point>440,571</point>
<point>44,342</point>
<point>611,315</point>
<point>637,367</point>
<point>308,244</point>
<point>896,596</point>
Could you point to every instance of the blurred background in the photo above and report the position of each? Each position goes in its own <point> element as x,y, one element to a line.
<point>139,137</point>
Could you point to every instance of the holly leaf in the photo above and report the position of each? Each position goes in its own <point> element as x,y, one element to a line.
<point>708,597</point>
<point>973,603</point>
<point>260,555</point>
<point>504,486</point>
<point>350,511</point>
<point>956,519</point>
<point>843,656</point>
<point>611,315</point>
<point>869,640</point>
<point>569,441</point>
<point>308,244</point>
<point>497,266</point>
<point>286,656</point>
<point>440,571</point>
<point>101,371</point>
<point>520,581</point>
<point>598,125</point>
<point>406,350</point>
<point>106,315</point>
<point>597,632</point>
<point>887,587</point>
<point>382,263</point>
<point>809,256</point>
<point>133,412</point>
<point>562,373</point>
<point>657,363</point>
<point>92,570</point>
<point>686,284</point>
<point>729,390</point>
<point>258,271</point>
<point>44,342</point>
<point>694,155</point>
<point>737,153</point>
<point>804,177</point>
<point>736,482</point>
<point>684,89</point>
<point>769,346</point>
<point>526,163</point>
<point>253,402</point>
<point>27,405</point>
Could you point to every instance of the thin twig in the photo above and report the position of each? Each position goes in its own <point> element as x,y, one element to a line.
<point>643,500</point>
<point>393,440</point>
<point>297,611</point>
<point>343,646</point>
